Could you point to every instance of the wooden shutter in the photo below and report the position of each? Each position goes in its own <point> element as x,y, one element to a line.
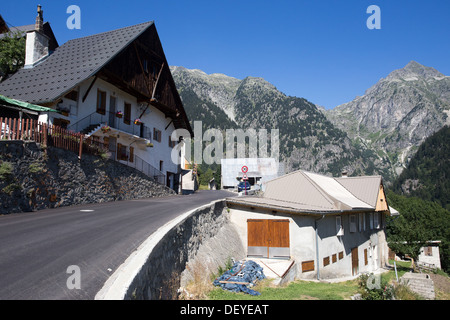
<point>355,261</point>
<point>366,260</point>
<point>308,266</point>
<point>326,261</point>
<point>131,154</point>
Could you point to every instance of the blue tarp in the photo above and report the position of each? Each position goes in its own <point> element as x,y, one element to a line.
<point>247,271</point>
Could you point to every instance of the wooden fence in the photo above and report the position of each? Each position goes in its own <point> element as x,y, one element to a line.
<point>48,135</point>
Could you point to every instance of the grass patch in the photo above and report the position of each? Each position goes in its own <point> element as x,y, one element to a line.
<point>296,290</point>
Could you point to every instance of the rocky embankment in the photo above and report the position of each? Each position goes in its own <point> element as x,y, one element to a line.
<point>32,178</point>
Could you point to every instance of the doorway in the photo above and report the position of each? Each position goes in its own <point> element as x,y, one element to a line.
<point>112,112</point>
<point>268,238</point>
<point>355,261</point>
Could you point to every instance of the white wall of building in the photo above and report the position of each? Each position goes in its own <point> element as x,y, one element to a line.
<point>152,118</point>
<point>303,247</point>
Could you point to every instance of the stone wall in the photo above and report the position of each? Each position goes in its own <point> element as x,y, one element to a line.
<point>32,178</point>
<point>205,235</point>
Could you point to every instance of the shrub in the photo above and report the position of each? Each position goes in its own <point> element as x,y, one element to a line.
<point>373,287</point>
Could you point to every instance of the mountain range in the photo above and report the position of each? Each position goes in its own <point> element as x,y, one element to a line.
<point>398,113</point>
<point>373,134</point>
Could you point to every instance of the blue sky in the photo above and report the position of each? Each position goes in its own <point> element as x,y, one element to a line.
<point>321,50</point>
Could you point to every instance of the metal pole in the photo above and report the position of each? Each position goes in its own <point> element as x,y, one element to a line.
<point>395,267</point>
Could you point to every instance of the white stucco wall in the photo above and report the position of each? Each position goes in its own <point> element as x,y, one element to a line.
<point>303,242</point>
<point>152,118</point>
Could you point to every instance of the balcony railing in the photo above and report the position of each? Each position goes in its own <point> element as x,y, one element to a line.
<point>110,119</point>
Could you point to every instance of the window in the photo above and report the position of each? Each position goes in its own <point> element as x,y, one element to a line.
<point>371,220</point>
<point>161,164</point>
<point>156,135</point>
<point>366,260</point>
<point>147,132</point>
<point>334,258</point>
<point>376,220</point>
<point>127,113</point>
<point>122,152</point>
<point>341,255</point>
<point>353,223</point>
<point>428,251</point>
<point>101,102</point>
<point>360,221</point>
<point>172,144</point>
<point>339,228</point>
<point>364,221</point>
<point>326,261</point>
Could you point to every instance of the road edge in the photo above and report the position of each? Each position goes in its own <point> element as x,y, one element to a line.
<point>116,287</point>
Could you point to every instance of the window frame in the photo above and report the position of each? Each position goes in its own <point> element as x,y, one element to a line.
<point>339,226</point>
<point>127,113</point>
<point>101,102</point>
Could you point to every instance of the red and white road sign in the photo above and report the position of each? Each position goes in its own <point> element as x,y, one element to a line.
<point>244,169</point>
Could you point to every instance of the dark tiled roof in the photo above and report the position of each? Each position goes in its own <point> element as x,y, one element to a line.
<point>70,64</point>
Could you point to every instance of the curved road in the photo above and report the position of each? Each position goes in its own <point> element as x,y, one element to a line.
<point>36,249</point>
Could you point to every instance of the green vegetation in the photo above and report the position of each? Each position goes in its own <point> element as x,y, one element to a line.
<point>419,221</point>
<point>421,195</point>
<point>12,53</point>
<point>206,173</point>
<point>6,170</point>
<point>428,173</point>
<point>35,168</point>
<point>387,289</point>
<point>9,189</point>
<point>297,290</point>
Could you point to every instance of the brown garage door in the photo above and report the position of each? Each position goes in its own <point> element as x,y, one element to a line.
<point>268,238</point>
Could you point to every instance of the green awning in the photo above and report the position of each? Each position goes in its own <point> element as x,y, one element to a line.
<point>25,105</point>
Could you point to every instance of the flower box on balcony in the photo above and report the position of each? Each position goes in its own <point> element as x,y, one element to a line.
<point>138,122</point>
<point>106,129</point>
<point>119,114</point>
<point>149,145</point>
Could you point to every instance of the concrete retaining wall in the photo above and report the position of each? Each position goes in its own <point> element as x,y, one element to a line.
<point>156,269</point>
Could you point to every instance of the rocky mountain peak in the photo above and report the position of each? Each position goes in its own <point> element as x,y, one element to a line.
<point>415,71</point>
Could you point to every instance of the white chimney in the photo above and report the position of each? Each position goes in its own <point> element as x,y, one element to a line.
<point>37,42</point>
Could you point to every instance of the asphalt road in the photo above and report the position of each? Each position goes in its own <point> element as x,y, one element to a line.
<point>36,249</point>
